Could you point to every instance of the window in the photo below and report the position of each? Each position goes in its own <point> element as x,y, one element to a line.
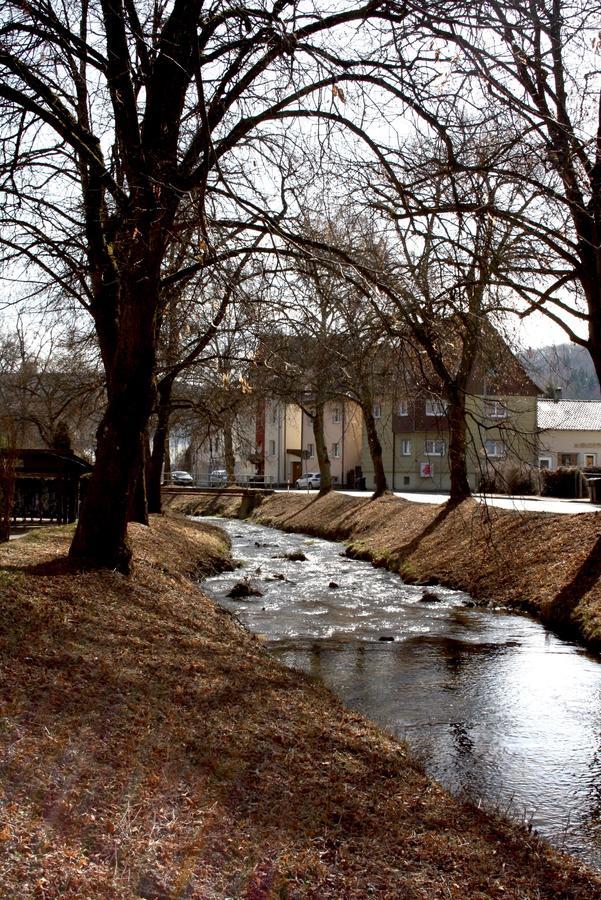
<point>274,415</point>
<point>336,450</point>
<point>406,480</point>
<point>494,409</point>
<point>568,459</point>
<point>590,459</point>
<point>336,415</point>
<point>377,411</point>
<point>403,408</point>
<point>434,448</point>
<point>272,448</point>
<point>436,408</point>
<point>544,462</point>
<point>494,449</point>
<point>310,450</point>
<point>405,448</point>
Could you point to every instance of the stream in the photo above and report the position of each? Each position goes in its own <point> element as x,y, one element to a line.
<point>497,708</point>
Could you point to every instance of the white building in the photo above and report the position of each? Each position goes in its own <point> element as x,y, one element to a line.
<point>569,433</point>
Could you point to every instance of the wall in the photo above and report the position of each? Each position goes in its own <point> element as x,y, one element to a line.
<point>282,433</point>
<point>553,443</point>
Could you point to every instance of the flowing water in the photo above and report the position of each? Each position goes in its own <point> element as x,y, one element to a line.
<point>498,708</point>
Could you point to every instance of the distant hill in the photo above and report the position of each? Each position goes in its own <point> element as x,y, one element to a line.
<point>564,366</point>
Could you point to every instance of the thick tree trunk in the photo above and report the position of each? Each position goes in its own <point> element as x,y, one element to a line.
<point>159,446</point>
<point>460,485</point>
<point>375,451</point>
<point>594,334</point>
<point>101,536</point>
<point>321,449</point>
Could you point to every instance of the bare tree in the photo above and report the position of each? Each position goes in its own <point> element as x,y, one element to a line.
<point>529,75</point>
<point>113,113</point>
<point>51,389</point>
<point>432,266</point>
<point>189,328</point>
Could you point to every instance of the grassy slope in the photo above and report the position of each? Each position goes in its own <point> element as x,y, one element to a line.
<point>150,747</point>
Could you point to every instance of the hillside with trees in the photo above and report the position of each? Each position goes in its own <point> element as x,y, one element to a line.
<point>564,366</point>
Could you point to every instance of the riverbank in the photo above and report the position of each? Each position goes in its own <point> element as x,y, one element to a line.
<point>152,748</point>
<point>548,565</point>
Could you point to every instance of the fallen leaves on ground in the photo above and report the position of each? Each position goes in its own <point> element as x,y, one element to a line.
<point>152,748</point>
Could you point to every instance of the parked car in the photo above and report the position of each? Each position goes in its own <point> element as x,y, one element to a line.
<point>309,480</point>
<point>218,476</point>
<point>180,477</point>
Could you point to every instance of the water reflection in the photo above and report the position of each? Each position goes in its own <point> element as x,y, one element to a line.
<point>497,707</point>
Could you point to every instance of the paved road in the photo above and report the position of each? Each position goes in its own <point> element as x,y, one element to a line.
<point>520,504</point>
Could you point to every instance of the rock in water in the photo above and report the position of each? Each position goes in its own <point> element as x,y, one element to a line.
<point>244,588</point>
<point>430,597</point>
<point>293,556</point>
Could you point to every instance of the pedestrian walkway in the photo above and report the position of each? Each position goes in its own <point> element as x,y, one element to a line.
<point>502,501</point>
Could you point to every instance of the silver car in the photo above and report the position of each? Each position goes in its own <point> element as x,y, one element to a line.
<point>181,477</point>
<point>309,480</point>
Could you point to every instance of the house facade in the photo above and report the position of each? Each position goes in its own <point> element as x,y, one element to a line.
<point>279,440</point>
<point>275,444</point>
<point>501,424</point>
<point>343,433</point>
<point>286,441</point>
<point>569,433</point>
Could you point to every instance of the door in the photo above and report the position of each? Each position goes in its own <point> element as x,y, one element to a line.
<point>297,468</point>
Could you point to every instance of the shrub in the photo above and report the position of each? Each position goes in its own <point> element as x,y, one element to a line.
<point>563,482</point>
<point>510,478</point>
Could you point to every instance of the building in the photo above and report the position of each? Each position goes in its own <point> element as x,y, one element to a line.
<point>569,433</point>
<point>286,441</point>
<point>279,443</point>
<point>343,433</point>
<point>501,416</point>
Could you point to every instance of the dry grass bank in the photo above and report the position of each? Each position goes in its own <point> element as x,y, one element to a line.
<point>151,748</point>
<point>547,564</point>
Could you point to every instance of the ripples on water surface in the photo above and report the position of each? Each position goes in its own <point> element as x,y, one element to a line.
<point>498,708</point>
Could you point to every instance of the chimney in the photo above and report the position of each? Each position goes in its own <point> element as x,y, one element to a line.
<point>556,394</point>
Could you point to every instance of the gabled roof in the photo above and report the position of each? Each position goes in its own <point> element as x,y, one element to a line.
<point>569,415</point>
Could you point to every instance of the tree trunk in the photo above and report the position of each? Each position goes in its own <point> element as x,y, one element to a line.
<point>460,485</point>
<point>138,500</point>
<point>101,536</point>
<point>229,457</point>
<point>7,492</point>
<point>159,447</point>
<point>375,451</point>
<point>321,449</point>
<point>594,329</point>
